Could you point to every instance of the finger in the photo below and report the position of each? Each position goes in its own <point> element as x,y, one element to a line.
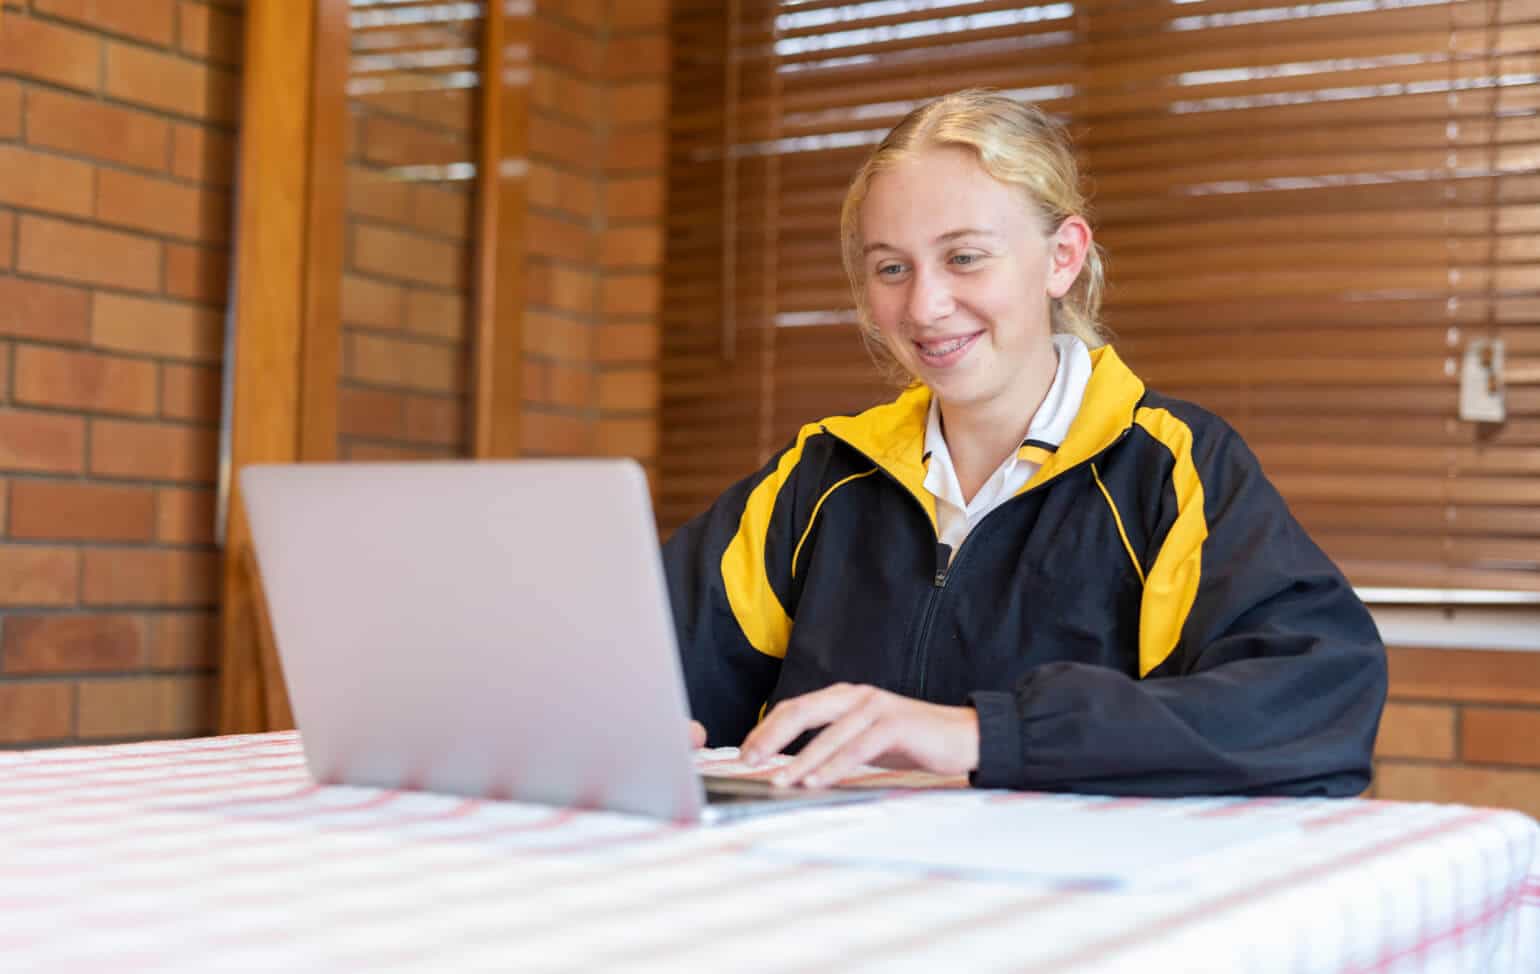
<point>790,718</point>
<point>697,734</point>
<point>824,746</point>
<point>875,740</point>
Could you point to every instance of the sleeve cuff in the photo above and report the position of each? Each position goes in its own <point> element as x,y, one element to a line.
<point>1000,757</point>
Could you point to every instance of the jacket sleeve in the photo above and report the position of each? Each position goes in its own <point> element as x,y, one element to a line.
<point>729,581</point>
<point>1271,675</point>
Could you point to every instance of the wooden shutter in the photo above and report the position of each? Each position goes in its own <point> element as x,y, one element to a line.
<point>1309,209</point>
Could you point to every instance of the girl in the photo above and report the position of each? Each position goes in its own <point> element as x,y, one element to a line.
<point>1028,567</point>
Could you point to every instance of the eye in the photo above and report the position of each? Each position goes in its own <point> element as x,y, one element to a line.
<point>965,259</point>
<point>890,269</point>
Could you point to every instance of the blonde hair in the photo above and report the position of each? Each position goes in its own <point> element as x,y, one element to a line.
<point>1017,144</point>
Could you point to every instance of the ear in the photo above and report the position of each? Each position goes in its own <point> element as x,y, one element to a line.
<point>1068,247</point>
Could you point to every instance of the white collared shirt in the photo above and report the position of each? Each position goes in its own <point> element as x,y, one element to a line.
<point>955,518</point>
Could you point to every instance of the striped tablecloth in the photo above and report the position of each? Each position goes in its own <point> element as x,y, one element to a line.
<point>222,854</point>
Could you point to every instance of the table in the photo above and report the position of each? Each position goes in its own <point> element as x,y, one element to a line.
<point>222,853</point>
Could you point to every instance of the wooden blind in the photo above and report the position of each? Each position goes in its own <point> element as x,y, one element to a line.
<point>1309,209</point>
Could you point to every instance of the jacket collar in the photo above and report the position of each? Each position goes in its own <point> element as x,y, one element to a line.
<point>892,435</point>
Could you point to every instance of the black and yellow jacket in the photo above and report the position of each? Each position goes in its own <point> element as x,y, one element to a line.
<point>1144,617</point>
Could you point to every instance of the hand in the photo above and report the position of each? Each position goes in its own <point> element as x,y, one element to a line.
<point>697,734</point>
<point>865,725</point>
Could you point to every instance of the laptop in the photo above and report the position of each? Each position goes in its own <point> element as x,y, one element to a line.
<point>489,629</point>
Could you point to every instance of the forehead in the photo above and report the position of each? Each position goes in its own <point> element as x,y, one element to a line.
<point>935,191</point>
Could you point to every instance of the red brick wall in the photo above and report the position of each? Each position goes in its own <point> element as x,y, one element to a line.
<point>1462,726</point>
<point>116,125</point>
<point>116,159</point>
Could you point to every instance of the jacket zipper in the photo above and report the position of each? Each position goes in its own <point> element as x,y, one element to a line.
<point>946,559</point>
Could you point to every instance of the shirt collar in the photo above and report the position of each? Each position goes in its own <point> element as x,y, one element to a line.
<point>1050,424</point>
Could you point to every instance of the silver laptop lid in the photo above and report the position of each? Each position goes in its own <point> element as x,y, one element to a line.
<point>493,629</point>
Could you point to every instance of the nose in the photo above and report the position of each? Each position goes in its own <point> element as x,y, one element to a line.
<point>930,297</point>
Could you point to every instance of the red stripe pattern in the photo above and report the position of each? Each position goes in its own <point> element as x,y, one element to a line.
<point>223,853</point>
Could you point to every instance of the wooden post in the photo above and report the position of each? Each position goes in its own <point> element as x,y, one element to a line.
<point>501,194</point>
<point>288,271</point>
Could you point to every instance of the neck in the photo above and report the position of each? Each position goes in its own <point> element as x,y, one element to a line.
<point>980,435</point>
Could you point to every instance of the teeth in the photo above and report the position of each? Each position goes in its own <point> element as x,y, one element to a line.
<point>946,349</point>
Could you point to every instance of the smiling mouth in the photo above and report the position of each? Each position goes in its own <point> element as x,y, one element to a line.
<point>943,349</point>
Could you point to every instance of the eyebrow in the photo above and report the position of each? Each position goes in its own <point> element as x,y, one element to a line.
<point>944,238</point>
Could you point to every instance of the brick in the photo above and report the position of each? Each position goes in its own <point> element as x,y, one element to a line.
<point>128,576</point>
<point>435,420</point>
<point>633,149</point>
<point>7,234</point>
<point>40,181</point>
<point>153,451</point>
<point>372,303</point>
<point>371,413</point>
<point>32,712</point>
<point>73,643</point>
<point>586,13</point>
<point>38,575</point>
<point>392,142</point>
<point>551,188</point>
<point>556,337</point>
<point>546,236</point>
<point>559,93</point>
<point>446,212</point>
<point>628,389</point>
<point>197,273</point>
<point>638,103</point>
<point>628,342</point>
<point>10,109</point>
<point>158,706</point>
<point>636,56</point>
<point>414,365</point>
<point>202,155</point>
<point>568,386</point>
<point>86,255</point>
<point>1416,731</point>
<point>210,33</point>
<point>190,392</point>
<point>1468,675</point>
<point>554,434</point>
<point>185,641</point>
<point>169,83</point>
<point>85,381</point>
<point>147,20</point>
<point>386,452</point>
<point>628,438</point>
<point>184,515</point>
<point>631,247</point>
<point>553,286</point>
<point>32,309</point>
<point>41,442</point>
<point>639,15</point>
<point>63,55</point>
<point>1489,787</point>
<point>564,46</point>
<point>630,294</point>
<point>409,257</point>
<point>160,206</point>
<point>65,511</point>
<point>437,314</point>
<point>378,197</point>
<point>160,328</point>
<point>563,142</point>
<point>88,127</point>
<point>1492,735</point>
<point>634,198</point>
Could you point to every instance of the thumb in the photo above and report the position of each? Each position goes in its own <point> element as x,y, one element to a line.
<point>697,734</point>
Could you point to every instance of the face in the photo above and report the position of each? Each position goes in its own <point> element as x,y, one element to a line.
<point>959,273</point>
